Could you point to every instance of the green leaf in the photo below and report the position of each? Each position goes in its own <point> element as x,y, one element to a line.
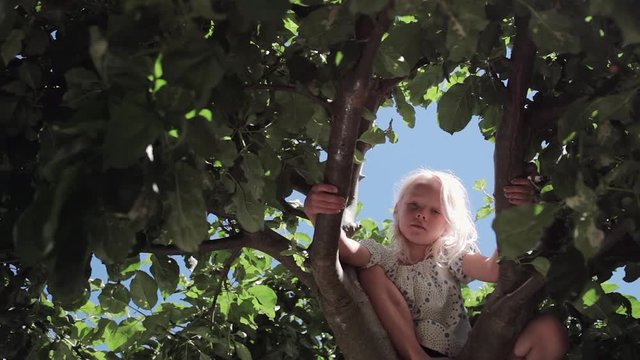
<point>123,269</point>
<point>631,272</point>
<point>594,303</point>
<point>466,22</point>
<point>407,111</point>
<point>112,238</point>
<point>455,108</point>
<point>319,127</point>
<point>117,335</point>
<point>369,7</point>
<point>186,223</point>
<point>390,63</point>
<point>587,237</point>
<point>166,272</point>
<point>554,32</point>
<point>243,352</point>
<point>263,10</point>
<point>195,63</point>
<point>249,212</point>
<point>35,231</point>
<point>254,174</point>
<point>373,136</point>
<point>326,26</point>
<point>265,299</point>
<point>295,111</point>
<point>207,138</point>
<point>114,298</point>
<point>31,74</point>
<point>36,42</point>
<point>519,228</point>
<point>131,129</point>
<point>82,85</point>
<point>12,45</point>
<point>405,42</point>
<point>624,13</point>
<point>542,265</point>
<point>614,107</point>
<point>62,351</point>
<point>480,185</point>
<point>484,211</point>
<point>144,290</point>
<point>433,75</point>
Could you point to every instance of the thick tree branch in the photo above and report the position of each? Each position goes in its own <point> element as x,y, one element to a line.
<point>381,92</point>
<point>342,313</point>
<point>506,312</point>
<point>351,101</point>
<point>267,241</point>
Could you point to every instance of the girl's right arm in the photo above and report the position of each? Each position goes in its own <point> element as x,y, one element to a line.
<point>323,199</point>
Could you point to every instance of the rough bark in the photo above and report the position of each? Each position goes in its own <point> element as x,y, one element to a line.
<point>514,301</point>
<point>341,311</point>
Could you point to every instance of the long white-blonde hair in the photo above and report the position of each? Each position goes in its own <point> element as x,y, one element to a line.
<point>460,235</point>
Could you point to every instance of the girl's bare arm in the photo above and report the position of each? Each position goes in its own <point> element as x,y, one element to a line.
<point>480,267</point>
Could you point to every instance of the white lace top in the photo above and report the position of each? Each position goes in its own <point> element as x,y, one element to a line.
<point>433,295</point>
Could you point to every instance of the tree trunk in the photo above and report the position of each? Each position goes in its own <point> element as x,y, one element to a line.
<point>514,301</point>
<point>340,301</point>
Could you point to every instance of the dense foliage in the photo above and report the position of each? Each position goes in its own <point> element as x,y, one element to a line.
<point>181,127</point>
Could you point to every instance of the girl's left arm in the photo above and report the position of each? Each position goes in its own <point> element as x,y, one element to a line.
<point>480,267</point>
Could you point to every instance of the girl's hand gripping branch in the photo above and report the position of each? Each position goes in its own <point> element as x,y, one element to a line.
<point>521,191</point>
<point>323,199</point>
<point>477,266</point>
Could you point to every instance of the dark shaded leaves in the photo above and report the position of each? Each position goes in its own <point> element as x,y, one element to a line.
<point>186,223</point>
<point>144,290</point>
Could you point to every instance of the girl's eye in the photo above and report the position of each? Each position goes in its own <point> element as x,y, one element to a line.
<point>435,211</point>
<point>413,205</point>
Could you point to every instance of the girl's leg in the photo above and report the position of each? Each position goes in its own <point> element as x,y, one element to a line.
<point>544,338</point>
<point>393,312</point>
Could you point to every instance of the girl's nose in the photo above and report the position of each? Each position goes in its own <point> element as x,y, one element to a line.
<point>420,216</point>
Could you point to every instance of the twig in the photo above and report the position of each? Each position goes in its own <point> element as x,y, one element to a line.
<point>267,241</point>
<point>292,89</point>
<point>222,280</point>
<point>292,210</point>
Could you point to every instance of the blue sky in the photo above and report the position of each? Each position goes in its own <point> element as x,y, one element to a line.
<point>465,153</point>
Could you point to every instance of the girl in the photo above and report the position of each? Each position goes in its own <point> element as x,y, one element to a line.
<point>414,286</point>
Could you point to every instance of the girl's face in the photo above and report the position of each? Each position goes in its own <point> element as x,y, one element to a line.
<point>420,215</point>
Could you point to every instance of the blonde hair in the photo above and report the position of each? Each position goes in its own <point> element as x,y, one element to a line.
<point>460,236</point>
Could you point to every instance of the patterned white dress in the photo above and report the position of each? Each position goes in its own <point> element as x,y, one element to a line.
<point>433,295</point>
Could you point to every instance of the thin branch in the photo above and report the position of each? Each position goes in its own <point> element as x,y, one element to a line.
<point>288,208</point>
<point>299,183</point>
<point>230,242</point>
<point>292,89</point>
<point>267,241</point>
<point>222,280</point>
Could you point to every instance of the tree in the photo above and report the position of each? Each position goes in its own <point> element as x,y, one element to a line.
<point>181,128</point>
